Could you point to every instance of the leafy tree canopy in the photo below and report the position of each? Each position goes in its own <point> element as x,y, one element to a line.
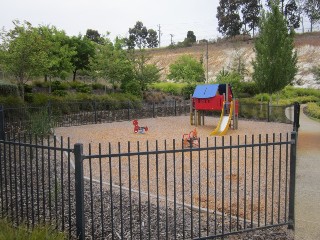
<point>289,9</point>
<point>141,37</point>
<point>23,53</point>
<point>229,22</point>
<point>94,36</point>
<point>84,51</point>
<point>58,51</point>
<point>186,69</point>
<point>112,63</point>
<point>312,9</point>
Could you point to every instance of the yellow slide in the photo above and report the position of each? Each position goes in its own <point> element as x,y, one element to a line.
<point>224,122</point>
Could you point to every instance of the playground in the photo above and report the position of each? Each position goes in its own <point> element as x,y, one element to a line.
<point>160,135</point>
<point>152,158</point>
<point>159,171</point>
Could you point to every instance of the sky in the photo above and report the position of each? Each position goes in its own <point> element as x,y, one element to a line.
<point>175,17</point>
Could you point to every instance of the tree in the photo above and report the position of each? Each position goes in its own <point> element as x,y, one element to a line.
<point>84,49</point>
<point>58,51</point>
<point>23,53</point>
<point>229,22</point>
<point>152,39</point>
<point>186,69</point>
<point>275,65</point>
<point>144,73</point>
<point>191,37</point>
<point>289,9</point>
<point>141,37</point>
<point>94,36</point>
<point>250,10</point>
<point>138,36</point>
<point>312,9</point>
<point>233,78</point>
<point>111,63</point>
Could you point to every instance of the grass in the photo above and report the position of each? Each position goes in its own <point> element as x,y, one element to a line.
<point>21,232</point>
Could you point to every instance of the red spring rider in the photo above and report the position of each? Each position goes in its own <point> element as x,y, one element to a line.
<point>138,129</point>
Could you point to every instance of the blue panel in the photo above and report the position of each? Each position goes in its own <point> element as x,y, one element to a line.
<point>206,91</point>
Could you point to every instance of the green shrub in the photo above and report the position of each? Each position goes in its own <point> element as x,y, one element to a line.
<point>188,90</point>
<point>264,97</point>
<point>58,85</point>
<point>96,86</point>
<point>292,92</point>
<point>75,84</point>
<point>313,110</point>
<point>84,88</point>
<point>11,101</point>
<point>8,89</point>
<point>172,88</point>
<point>38,99</point>
<point>132,87</point>
<point>248,89</point>
<point>60,93</point>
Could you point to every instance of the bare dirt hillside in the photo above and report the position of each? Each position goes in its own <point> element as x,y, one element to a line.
<point>223,54</point>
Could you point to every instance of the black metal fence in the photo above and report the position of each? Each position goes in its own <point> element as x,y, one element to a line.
<point>150,190</point>
<point>37,182</point>
<point>80,113</point>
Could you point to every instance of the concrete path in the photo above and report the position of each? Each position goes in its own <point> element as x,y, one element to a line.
<point>307,201</point>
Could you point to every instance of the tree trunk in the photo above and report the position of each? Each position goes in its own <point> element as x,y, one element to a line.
<point>21,89</point>
<point>74,75</point>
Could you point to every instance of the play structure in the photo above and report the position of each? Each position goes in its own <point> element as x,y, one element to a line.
<point>214,97</point>
<point>191,139</point>
<point>137,128</point>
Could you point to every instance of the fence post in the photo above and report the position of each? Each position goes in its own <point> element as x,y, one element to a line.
<point>2,134</point>
<point>95,111</point>
<point>268,113</point>
<point>296,117</point>
<point>153,109</point>
<point>79,190</point>
<point>175,108</point>
<point>292,183</point>
<point>128,110</point>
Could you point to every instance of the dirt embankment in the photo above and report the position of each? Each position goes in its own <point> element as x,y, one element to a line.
<point>221,55</point>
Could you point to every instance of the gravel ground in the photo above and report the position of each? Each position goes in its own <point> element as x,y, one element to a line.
<point>167,128</point>
<point>161,128</point>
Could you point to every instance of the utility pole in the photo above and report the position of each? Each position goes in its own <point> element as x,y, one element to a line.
<point>171,38</point>
<point>159,30</point>
<point>207,55</point>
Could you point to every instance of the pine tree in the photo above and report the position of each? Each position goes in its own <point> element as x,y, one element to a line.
<point>275,65</point>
